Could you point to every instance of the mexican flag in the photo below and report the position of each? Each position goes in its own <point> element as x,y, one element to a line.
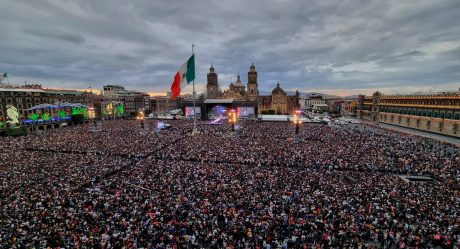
<point>183,77</point>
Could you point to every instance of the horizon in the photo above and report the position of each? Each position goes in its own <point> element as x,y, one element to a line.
<point>201,89</point>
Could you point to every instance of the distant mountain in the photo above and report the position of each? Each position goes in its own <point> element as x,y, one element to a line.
<point>351,97</point>
<point>262,92</point>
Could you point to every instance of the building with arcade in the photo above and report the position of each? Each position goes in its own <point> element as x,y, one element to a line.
<point>437,113</point>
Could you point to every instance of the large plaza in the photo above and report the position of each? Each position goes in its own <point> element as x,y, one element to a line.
<point>129,187</point>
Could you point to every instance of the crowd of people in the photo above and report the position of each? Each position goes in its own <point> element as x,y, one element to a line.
<point>264,187</point>
<point>319,146</point>
<point>124,138</point>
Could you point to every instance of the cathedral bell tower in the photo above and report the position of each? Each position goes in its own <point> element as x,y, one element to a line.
<point>212,86</point>
<point>253,87</point>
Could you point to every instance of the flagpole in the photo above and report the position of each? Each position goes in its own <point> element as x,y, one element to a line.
<point>194,97</point>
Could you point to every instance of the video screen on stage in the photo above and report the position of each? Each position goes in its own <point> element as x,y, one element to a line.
<point>217,112</point>
<point>245,112</point>
<point>190,112</point>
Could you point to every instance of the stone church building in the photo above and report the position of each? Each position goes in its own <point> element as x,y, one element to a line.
<point>278,102</point>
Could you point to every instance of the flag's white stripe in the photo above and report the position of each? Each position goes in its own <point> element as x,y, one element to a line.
<point>183,73</point>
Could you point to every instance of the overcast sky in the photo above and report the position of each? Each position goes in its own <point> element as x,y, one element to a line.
<point>337,47</point>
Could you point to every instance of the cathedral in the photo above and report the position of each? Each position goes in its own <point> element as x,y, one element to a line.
<point>279,102</point>
<point>237,90</point>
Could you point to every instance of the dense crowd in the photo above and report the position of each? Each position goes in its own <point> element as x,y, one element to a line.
<point>319,146</point>
<point>117,138</point>
<point>263,187</point>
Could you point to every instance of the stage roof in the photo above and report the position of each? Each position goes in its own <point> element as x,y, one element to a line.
<point>218,101</point>
<point>43,106</point>
<point>59,105</point>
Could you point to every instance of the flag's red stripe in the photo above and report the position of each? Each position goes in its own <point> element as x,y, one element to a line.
<point>175,87</point>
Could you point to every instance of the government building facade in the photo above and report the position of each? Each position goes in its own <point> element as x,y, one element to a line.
<point>437,113</point>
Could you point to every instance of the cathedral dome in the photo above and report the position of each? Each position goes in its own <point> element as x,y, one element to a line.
<point>238,81</point>
<point>278,90</point>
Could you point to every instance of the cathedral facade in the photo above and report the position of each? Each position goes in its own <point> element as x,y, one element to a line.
<point>279,102</point>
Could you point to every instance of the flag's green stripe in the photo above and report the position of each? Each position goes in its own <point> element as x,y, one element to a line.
<point>190,69</point>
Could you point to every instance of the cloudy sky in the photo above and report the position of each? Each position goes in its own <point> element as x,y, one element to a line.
<point>337,47</point>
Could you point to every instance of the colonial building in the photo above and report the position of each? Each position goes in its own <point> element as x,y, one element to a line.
<point>212,87</point>
<point>22,98</point>
<point>237,90</point>
<point>253,85</point>
<point>308,102</point>
<point>349,107</point>
<point>279,102</point>
<point>438,113</point>
<point>133,100</point>
<point>163,104</point>
<point>241,95</point>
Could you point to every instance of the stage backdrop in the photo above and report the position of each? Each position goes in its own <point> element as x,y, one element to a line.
<point>189,112</point>
<point>245,112</point>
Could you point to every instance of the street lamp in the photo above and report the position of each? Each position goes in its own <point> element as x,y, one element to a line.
<point>297,120</point>
<point>232,118</point>
<point>91,112</point>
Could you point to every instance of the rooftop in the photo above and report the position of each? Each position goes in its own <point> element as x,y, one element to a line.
<point>21,90</point>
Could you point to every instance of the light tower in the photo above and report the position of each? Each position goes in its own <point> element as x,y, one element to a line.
<point>141,117</point>
<point>232,118</point>
<point>297,120</point>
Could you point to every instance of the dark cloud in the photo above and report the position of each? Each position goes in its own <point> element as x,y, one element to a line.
<point>318,45</point>
<point>60,35</point>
